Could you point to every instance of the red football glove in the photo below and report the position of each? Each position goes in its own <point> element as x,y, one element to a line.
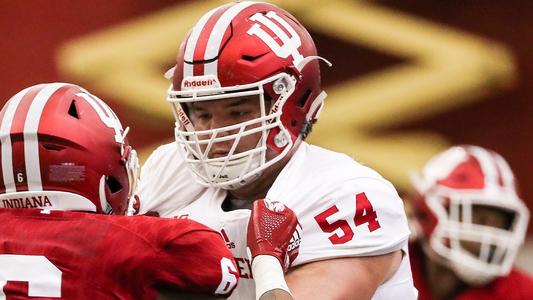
<point>273,229</point>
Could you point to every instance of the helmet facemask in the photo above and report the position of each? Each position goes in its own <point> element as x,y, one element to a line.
<point>477,235</point>
<point>236,167</point>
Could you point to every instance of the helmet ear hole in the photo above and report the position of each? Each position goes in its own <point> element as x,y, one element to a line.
<point>113,184</point>
<point>72,110</point>
<point>303,99</point>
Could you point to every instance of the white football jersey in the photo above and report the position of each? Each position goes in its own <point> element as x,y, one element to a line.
<point>345,210</point>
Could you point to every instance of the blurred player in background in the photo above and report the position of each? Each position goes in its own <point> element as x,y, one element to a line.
<point>471,224</point>
<point>245,93</point>
<point>65,162</point>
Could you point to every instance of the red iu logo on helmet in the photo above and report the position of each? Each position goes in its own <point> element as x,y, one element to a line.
<point>289,44</point>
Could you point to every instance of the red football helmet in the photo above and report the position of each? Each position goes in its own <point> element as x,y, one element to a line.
<point>469,212</point>
<point>64,149</point>
<point>246,49</point>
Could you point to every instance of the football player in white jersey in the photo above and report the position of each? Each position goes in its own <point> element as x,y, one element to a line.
<point>245,93</point>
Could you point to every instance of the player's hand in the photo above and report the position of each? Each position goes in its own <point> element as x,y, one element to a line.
<point>273,229</point>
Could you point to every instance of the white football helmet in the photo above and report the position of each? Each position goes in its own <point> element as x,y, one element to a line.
<point>245,49</point>
<point>452,189</point>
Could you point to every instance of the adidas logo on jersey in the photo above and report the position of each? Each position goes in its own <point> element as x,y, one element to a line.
<point>244,265</point>
<point>296,238</point>
<point>229,243</point>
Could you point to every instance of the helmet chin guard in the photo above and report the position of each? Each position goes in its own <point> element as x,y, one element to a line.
<point>498,247</point>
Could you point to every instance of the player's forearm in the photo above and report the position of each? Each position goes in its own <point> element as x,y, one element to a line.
<point>269,278</point>
<point>277,294</point>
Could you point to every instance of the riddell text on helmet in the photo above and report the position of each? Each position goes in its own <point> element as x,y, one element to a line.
<point>183,117</point>
<point>199,83</point>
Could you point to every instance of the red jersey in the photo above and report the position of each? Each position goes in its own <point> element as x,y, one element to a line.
<point>73,255</point>
<point>515,286</point>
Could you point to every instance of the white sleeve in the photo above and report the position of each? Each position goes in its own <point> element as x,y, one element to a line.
<point>341,222</point>
<point>165,183</point>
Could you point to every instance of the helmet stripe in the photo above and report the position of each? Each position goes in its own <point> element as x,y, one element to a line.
<point>17,127</point>
<point>5,138</point>
<point>498,169</point>
<point>199,52</point>
<point>506,173</point>
<point>193,40</point>
<point>31,143</point>
<point>215,39</point>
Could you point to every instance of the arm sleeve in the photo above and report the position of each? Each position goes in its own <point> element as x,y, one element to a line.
<point>166,184</point>
<point>148,187</point>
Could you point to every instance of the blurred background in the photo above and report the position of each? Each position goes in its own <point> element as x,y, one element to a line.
<point>409,78</point>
